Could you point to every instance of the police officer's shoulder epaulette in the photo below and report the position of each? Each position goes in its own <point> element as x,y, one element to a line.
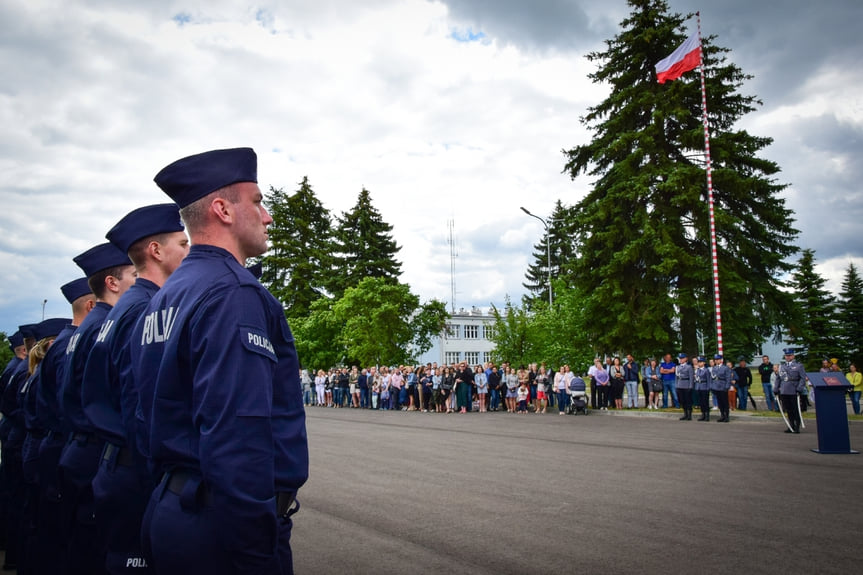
<point>243,276</point>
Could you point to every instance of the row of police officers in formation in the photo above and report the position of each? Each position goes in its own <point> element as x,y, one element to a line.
<point>717,378</point>
<point>160,428</point>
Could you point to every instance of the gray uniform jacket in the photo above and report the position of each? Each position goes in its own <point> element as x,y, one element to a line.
<point>792,379</point>
<point>721,380</point>
<point>684,376</point>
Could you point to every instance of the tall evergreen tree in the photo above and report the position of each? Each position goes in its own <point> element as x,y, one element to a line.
<point>814,325</point>
<point>559,240</point>
<point>297,266</point>
<point>850,315</point>
<point>642,233</point>
<point>364,247</point>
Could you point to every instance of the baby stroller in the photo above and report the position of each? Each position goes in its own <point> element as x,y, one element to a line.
<point>577,397</point>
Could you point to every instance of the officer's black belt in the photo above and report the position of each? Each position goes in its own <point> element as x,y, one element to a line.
<point>84,437</point>
<point>177,480</point>
<point>121,455</point>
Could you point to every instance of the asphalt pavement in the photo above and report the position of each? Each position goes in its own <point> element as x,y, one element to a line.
<point>497,493</point>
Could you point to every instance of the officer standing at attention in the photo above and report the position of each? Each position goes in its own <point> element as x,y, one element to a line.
<point>702,384</point>
<point>109,274</point>
<point>720,384</point>
<point>52,553</point>
<point>684,385</point>
<point>154,240</point>
<point>219,385</point>
<point>792,380</point>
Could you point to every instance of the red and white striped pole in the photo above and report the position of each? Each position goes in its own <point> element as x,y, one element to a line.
<point>713,257</point>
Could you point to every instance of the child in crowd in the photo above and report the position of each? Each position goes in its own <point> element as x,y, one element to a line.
<point>385,394</point>
<point>376,393</point>
<point>523,393</point>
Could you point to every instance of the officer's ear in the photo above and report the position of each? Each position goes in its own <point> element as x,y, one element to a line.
<point>223,210</point>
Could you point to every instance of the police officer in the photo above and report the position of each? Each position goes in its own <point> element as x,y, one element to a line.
<point>685,383</point>
<point>51,557</point>
<point>219,385</point>
<point>12,434</point>
<point>720,377</point>
<point>154,240</point>
<point>109,274</point>
<point>792,381</point>
<point>45,333</point>
<point>702,385</point>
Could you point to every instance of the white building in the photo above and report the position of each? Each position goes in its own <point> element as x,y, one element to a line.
<point>466,338</point>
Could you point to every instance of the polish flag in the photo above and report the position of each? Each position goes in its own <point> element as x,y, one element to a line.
<point>687,57</point>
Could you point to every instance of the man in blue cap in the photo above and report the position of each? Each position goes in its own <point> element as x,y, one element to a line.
<point>219,385</point>
<point>154,240</point>
<point>45,334</point>
<point>16,344</point>
<point>720,377</point>
<point>792,381</point>
<point>12,434</point>
<point>53,553</point>
<point>685,383</point>
<point>109,274</point>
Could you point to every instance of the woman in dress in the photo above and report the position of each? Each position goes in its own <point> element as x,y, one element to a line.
<point>481,382</point>
<point>617,382</point>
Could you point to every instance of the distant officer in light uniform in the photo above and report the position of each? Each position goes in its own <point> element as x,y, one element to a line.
<point>109,274</point>
<point>792,381</point>
<point>154,240</point>
<point>720,375</point>
<point>702,384</point>
<point>684,385</point>
<point>219,385</point>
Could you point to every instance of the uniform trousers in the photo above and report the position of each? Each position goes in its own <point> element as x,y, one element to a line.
<point>53,553</point>
<point>790,406</point>
<point>121,490</point>
<point>704,401</point>
<point>722,402</point>
<point>78,465</point>
<point>685,397</point>
<point>182,535</point>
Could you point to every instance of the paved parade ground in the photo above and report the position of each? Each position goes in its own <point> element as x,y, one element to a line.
<point>495,493</point>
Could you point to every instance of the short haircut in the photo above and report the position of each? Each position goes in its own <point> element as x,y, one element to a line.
<point>97,280</point>
<point>195,213</point>
<point>138,250</point>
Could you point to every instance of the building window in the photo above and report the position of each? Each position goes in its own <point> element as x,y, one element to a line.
<point>487,331</point>
<point>471,332</point>
<point>452,357</point>
<point>452,330</point>
<point>471,357</point>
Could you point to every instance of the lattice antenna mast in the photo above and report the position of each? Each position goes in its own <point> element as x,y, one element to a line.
<point>453,254</point>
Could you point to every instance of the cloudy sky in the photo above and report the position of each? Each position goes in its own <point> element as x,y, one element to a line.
<point>444,110</point>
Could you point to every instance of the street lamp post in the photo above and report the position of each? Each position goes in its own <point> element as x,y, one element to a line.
<point>44,301</point>
<point>547,250</point>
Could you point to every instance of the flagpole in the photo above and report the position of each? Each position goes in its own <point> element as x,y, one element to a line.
<point>715,261</point>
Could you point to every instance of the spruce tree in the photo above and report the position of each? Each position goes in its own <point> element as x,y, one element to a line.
<point>560,226</point>
<point>642,232</point>
<point>850,316</point>
<point>814,324</point>
<point>298,264</point>
<point>364,247</point>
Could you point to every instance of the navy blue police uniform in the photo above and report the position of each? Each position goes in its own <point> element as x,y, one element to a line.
<point>16,340</point>
<point>720,384</point>
<point>32,559</point>
<point>51,555</point>
<point>219,385</point>
<point>79,460</point>
<point>12,434</point>
<point>123,484</point>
